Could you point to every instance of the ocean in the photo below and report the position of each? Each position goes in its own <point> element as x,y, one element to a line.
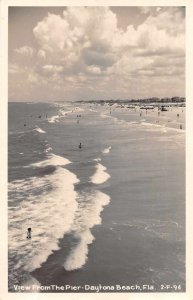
<point>103,191</point>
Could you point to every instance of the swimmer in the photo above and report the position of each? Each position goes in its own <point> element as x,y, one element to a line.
<point>29,233</point>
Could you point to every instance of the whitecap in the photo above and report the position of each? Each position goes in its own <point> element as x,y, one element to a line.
<point>106,150</point>
<point>48,149</point>
<point>54,160</point>
<point>97,159</point>
<point>87,216</point>
<point>53,119</point>
<point>100,176</point>
<point>50,214</point>
<point>38,129</point>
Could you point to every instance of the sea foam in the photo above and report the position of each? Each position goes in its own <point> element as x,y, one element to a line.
<point>38,129</point>
<point>100,176</point>
<point>87,215</point>
<point>61,113</point>
<point>54,160</point>
<point>53,119</point>
<point>106,150</point>
<point>50,214</point>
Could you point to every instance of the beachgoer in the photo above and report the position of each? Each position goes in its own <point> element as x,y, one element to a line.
<point>29,233</point>
<point>80,146</point>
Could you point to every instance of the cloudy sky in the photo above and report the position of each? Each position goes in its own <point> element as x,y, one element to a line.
<point>82,53</point>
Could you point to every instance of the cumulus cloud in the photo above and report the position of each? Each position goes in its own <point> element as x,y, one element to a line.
<point>94,70</point>
<point>170,20</point>
<point>14,69</point>
<point>25,50</point>
<point>52,69</point>
<point>85,46</point>
<point>41,54</point>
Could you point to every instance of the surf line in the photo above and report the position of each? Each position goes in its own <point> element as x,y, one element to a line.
<point>87,216</point>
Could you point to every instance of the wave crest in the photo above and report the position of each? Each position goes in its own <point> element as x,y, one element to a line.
<point>107,150</point>
<point>38,129</point>
<point>100,176</point>
<point>46,204</point>
<point>87,216</point>
<point>54,160</point>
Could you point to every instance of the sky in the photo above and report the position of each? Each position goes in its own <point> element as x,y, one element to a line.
<point>84,53</point>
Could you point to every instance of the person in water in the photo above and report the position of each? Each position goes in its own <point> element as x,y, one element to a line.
<point>29,233</point>
<point>80,146</point>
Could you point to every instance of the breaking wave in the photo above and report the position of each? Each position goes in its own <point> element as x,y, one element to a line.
<point>46,204</point>
<point>100,176</point>
<point>53,160</point>
<point>38,129</point>
<point>88,215</point>
<point>106,150</point>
